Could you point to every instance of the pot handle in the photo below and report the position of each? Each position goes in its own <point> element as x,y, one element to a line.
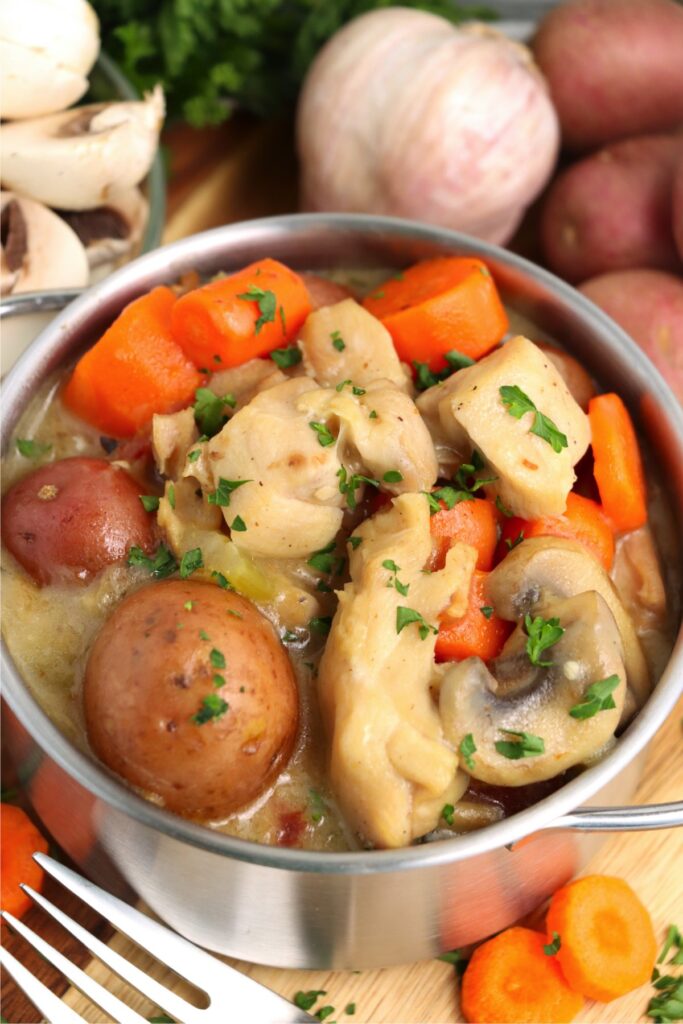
<point>621,819</point>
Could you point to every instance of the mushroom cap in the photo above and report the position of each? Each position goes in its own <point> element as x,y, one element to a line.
<point>40,250</point>
<point>79,158</point>
<point>112,232</point>
<point>31,83</point>
<point>473,701</point>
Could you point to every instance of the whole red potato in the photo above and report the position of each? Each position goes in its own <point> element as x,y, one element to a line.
<point>614,67</point>
<point>648,304</point>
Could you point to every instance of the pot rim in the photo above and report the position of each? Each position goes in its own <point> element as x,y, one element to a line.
<point>168,261</point>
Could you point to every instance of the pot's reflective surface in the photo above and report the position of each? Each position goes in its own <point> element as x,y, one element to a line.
<point>289,907</point>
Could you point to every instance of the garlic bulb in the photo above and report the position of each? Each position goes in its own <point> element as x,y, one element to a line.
<point>39,251</point>
<point>403,113</point>
<point>47,48</point>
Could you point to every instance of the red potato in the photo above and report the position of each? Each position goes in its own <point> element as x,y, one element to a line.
<point>677,208</point>
<point>323,292</point>
<point>165,652</point>
<point>648,304</point>
<point>577,379</point>
<point>67,520</point>
<point>612,210</point>
<point>614,69</point>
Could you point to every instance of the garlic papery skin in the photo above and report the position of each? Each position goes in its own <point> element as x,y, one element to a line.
<point>404,114</point>
<point>78,159</point>
<point>47,48</point>
<point>39,250</point>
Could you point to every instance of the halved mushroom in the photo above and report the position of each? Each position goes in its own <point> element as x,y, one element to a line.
<point>518,697</point>
<point>80,158</point>
<point>551,566</point>
<point>112,232</point>
<point>37,249</point>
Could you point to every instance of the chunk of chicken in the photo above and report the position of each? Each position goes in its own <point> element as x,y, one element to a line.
<point>290,504</point>
<point>247,380</point>
<point>345,342</point>
<point>172,437</point>
<point>390,766</point>
<point>533,479</point>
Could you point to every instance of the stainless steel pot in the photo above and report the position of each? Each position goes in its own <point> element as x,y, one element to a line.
<point>301,909</point>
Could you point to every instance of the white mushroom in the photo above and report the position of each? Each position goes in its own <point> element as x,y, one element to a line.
<point>110,232</point>
<point>47,48</point>
<point>39,250</point>
<point>81,158</point>
<point>514,697</point>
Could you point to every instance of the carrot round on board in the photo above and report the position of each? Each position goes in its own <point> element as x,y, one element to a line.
<point>439,305</point>
<point>19,840</point>
<point>583,521</point>
<point>618,465</point>
<point>607,942</point>
<point>478,632</point>
<point>511,980</point>
<point>472,522</point>
<point>238,318</point>
<point>134,370</point>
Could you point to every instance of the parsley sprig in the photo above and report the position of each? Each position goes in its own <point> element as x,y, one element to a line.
<point>541,634</point>
<point>349,484</point>
<point>394,581</point>
<point>405,616</point>
<point>209,410</point>
<point>524,744</point>
<point>598,697</point>
<point>325,436</point>
<point>426,378</point>
<point>266,302</point>
<point>465,485</point>
<point>221,496</point>
<point>667,1006</point>
<point>160,565</point>
<point>517,404</point>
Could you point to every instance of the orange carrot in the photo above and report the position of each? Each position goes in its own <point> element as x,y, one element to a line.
<point>583,521</point>
<point>238,318</point>
<point>608,944</point>
<point>511,980</point>
<point>472,522</point>
<point>618,465</point>
<point>479,632</point>
<point>19,839</point>
<point>134,370</point>
<point>439,305</point>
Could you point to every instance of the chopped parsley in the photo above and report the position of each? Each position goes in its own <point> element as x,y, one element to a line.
<point>194,455</point>
<point>324,559</point>
<point>523,745</point>
<point>217,658</point>
<point>510,544</point>
<point>404,617</point>
<point>426,378</point>
<point>221,496</point>
<point>467,748</point>
<point>320,624</point>
<point>160,565</point>
<point>350,1008</point>
<point>318,805</point>
<point>288,637</point>
<point>541,634</point>
<point>402,588</point>
<point>150,502</point>
<point>465,485</point>
<point>517,404</point>
<point>668,1004</point>
<point>211,708</point>
<point>486,610</point>
<point>348,485</point>
<point>170,495</point>
<point>324,1012</point>
<point>238,525</point>
<point>218,680</point>
<point>447,812</point>
<point>233,611</point>
<point>325,438</point>
<point>337,341</point>
<point>392,476</point>
<point>553,947</point>
<point>457,959</point>
<point>222,581</point>
<point>502,508</point>
<point>598,697</point>
<point>674,937</point>
<point>32,449</point>
<point>266,302</point>
<point>373,414</point>
<point>209,411</point>
<point>286,357</point>
<point>203,635</point>
<point>188,606</point>
<point>355,542</point>
<point>190,562</point>
<point>306,1000</point>
<point>354,389</point>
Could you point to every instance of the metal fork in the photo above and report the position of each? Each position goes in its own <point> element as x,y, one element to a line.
<point>233,996</point>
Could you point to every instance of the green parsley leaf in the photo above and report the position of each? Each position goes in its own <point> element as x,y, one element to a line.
<point>32,449</point>
<point>508,513</point>
<point>160,565</point>
<point>392,476</point>
<point>211,708</point>
<point>404,616</point>
<point>150,502</point>
<point>286,357</point>
<point>221,580</point>
<point>170,495</point>
<point>350,1009</point>
<point>486,610</point>
<point>161,1018</point>
<point>669,1005</point>
<point>217,658</point>
<point>402,588</point>
<point>467,748</point>
<point>233,611</point>
<point>510,544</point>
<point>209,411</point>
<point>318,805</point>
<point>447,812</point>
<point>306,1000</point>
<point>324,559</point>
<point>372,415</point>
<point>238,525</point>
<point>218,680</point>
<point>424,377</point>
<point>266,302</point>
<point>453,956</point>
<point>598,697</point>
<point>553,947</point>
<point>221,496</point>
<point>325,438</point>
<point>542,634</point>
<point>194,455</point>
<point>324,1012</point>
<point>524,745</point>
<point>348,485</point>
<point>337,341</point>
<point>458,360</point>
<point>190,562</point>
<point>467,481</point>
<point>355,542</point>
<point>188,606</point>
<point>517,404</point>
<point>673,938</point>
<point>356,391</point>
<point>320,624</point>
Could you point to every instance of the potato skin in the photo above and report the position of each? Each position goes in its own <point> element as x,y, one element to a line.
<point>575,376</point>
<point>323,292</point>
<point>648,304</point>
<point>612,210</point>
<point>67,520</point>
<point>677,208</point>
<point>147,675</point>
<point>614,69</point>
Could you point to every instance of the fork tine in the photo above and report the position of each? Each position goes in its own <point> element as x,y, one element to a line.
<point>117,1010</point>
<point>52,1008</point>
<point>154,990</point>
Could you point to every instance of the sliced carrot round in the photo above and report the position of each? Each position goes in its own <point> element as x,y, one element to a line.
<point>19,840</point>
<point>608,944</point>
<point>618,464</point>
<point>510,980</point>
<point>583,521</point>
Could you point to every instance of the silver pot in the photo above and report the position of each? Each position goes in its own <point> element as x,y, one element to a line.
<point>343,910</point>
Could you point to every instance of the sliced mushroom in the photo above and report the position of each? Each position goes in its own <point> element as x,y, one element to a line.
<point>551,566</point>
<point>110,233</point>
<point>80,158</point>
<point>517,697</point>
<point>38,250</point>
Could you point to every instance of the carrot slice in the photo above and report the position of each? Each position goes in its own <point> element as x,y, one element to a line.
<point>510,980</point>
<point>618,465</point>
<point>238,318</point>
<point>479,632</point>
<point>439,305</point>
<point>472,522</point>
<point>608,944</point>
<point>19,840</point>
<point>583,521</point>
<point>134,370</point>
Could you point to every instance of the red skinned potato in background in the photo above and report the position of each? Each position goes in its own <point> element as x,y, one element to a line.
<point>323,292</point>
<point>614,67</point>
<point>613,210</point>
<point>648,304</point>
<point>677,208</point>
